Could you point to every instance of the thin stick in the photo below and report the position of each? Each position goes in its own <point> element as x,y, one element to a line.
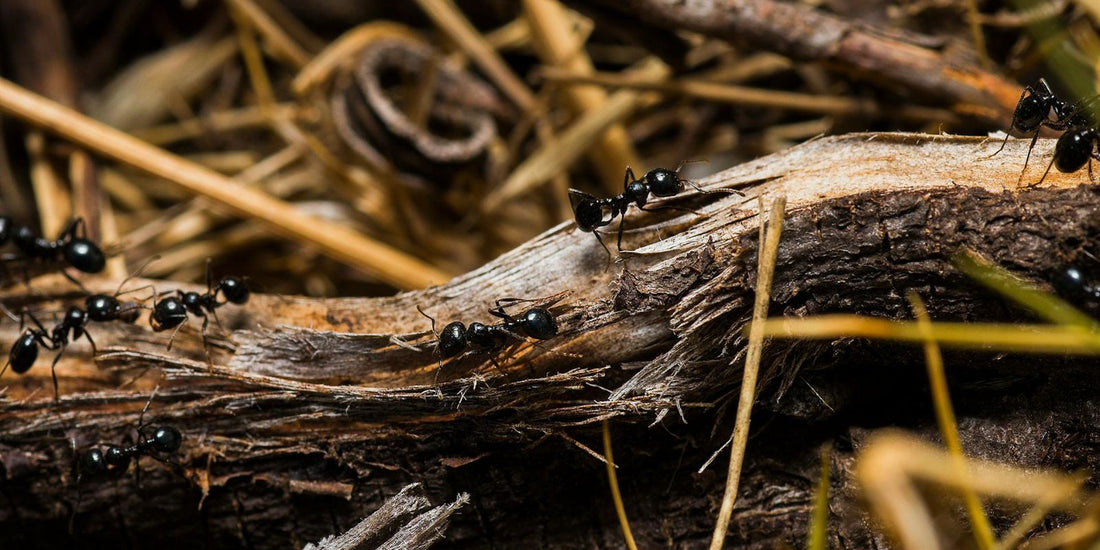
<point>620,510</point>
<point>1003,337</point>
<point>765,268</point>
<point>282,45</point>
<point>378,259</point>
<point>742,95</point>
<point>945,417</point>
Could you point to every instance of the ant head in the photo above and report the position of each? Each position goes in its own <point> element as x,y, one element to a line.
<point>24,352</point>
<point>539,323</point>
<point>588,214</point>
<point>452,340</point>
<point>1032,110</point>
<point>168,313</point>
<point>167,439</point>
<point>85,256</point>
<point>102,308</point>
<point>234,289</point>
<point>116,458</point>
<point>1073,150</point>
<point>92,463</point>
<point>664,182</point>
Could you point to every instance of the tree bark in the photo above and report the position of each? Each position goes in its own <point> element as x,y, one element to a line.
<point>310,413</point>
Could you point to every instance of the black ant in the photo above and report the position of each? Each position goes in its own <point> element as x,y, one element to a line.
<point>172,311</point>
<point>1034,110</point>
<point>589,211</point>
<point>100,308</point>
<point>1071,284</point>
<point>455,338</point>
<point>163,440</point>
<point>1077,146</point>
<point>72,247</point>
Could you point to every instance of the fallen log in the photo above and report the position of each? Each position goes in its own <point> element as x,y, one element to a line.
<point>304,415</point>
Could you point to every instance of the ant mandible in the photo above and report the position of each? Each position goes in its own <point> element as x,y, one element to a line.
<point>172,311</point>
<point>456,337</point>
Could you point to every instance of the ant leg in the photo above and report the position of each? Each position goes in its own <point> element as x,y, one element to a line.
<point>95,351</point>
<point>53,372</point>
<point>1027,158</point>
<point>65,272</point>
<point>173,336</point>
<point>205,347</point>
<point>493,360</point>
<point>430,318</point>
<point>622,225</point>
<point>141,417</point>
<point>1012,125</point>
<point>605,249</point>
<point>1045,172</point>
<point>628,177</point>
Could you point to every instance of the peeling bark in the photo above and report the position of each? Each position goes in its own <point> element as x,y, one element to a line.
<point>311,413</point>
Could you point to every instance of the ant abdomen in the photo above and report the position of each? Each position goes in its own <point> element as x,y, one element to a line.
<point>1073,150</point>
<point>234,289</point>
<point>93,463</point>
<point>85,256</point>
<point>166,439</point>
<point>538,323</point>
<point>24,352</point>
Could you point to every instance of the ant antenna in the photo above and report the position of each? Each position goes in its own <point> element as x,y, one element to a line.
<point>439,354</point>
<point>136,273</point>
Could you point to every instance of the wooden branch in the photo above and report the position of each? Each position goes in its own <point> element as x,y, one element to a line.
<point>313,411</point>
<point>908,61</point>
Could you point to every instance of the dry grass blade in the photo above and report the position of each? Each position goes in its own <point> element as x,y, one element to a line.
<point>988,336</point>
<point>819,521</point>
<point>1020,291</point>
<point>343,50</point>
<point>378,259</point>
<point>891,464</point>
<point>741,95</point>
<point>557,44</point>
<point>282,45</point>
<point>765,270</point>
<point>945,417</point>
<point>572,143</point>
<point>613,480</point>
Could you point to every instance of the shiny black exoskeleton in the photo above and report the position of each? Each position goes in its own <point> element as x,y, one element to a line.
<point>172,311</point>
<point>1078,145</point>
<point>164,440</point>
<point>592,213</point>
<point>1075,287</point>
<point>537,323</point>
<point>1039,106</point>
<point>71,248</point>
